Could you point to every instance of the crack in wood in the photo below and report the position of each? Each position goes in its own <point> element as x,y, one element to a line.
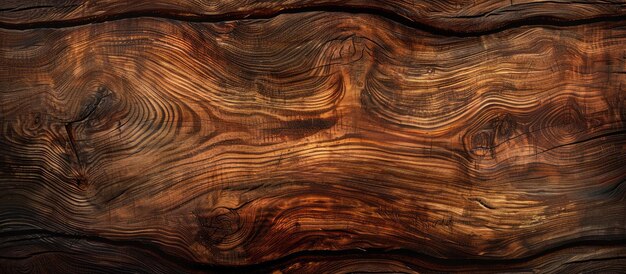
<point>269,14</point>
<point>81,179</point>
<point>399,253</point>
<point>280,145</point>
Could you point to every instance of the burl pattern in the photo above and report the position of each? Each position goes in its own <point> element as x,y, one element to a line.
<point>312,136</point>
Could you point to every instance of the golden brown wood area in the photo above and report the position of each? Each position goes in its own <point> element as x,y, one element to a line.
<point>312,136</point>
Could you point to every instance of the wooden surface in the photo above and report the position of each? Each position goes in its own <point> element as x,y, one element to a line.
<point>312,136</point>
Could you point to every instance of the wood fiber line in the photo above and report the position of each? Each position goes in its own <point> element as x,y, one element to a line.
<point>456,17</point>
<point>311,142</point>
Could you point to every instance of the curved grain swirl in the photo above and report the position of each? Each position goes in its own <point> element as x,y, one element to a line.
<point>267,144</point>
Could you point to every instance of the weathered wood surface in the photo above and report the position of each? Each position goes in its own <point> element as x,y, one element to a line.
<point>443,15</point>
<point>403,136</point>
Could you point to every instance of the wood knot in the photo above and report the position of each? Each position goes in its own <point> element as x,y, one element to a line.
<point>561,123</point>
<point>482,143</point>
<point>31,124</point>
<point>572,118</point>
<point>504,127</point>
<point>217,227</point>
<point>81,182</point>
<point>497,131</point>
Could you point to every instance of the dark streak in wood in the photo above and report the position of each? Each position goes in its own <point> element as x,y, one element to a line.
<point>312,136</point>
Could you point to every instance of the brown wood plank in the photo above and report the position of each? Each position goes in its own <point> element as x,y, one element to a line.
<point>439,15</point>
<point>311,142</point>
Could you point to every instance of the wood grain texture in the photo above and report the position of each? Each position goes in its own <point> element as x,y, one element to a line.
<point>461,16</point>
<point>314,141</point>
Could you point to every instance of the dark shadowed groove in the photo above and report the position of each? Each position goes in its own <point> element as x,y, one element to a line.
<point>608,134</point>
<point>88,111</point>
<point>403,255</point>
<point>271,13</point>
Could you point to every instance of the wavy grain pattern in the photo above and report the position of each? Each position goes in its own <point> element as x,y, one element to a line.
<point>448,16</point>
<point>312,142</point>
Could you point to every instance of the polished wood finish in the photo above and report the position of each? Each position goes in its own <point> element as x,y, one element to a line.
<point>312,136</point>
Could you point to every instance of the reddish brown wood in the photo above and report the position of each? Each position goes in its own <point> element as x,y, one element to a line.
<point>305,140</point>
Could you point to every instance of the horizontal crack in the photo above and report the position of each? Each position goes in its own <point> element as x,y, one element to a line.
<point>608,134</point>
<point>482,203</point>
<point>402,254</point>
<point>271,13</point>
